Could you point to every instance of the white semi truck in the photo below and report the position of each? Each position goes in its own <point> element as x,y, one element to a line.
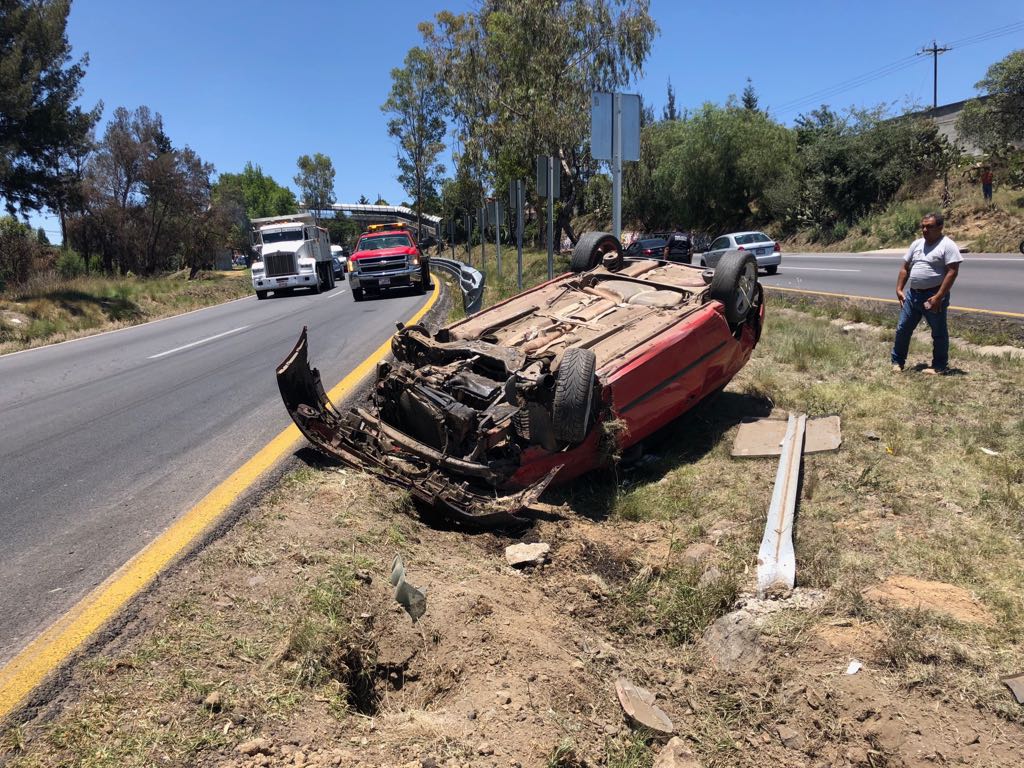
<point>291,252</point>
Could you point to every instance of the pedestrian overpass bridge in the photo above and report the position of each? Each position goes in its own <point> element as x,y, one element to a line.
<point>373,214</point>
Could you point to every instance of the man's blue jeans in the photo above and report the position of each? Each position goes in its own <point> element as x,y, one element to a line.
<point>911,314</point>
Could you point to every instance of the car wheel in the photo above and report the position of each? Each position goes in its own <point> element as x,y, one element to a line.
<point>572,409</point>
<point>703,263</point>
<point>357,294</point>
<point>772,269</point>
<point>261,295</point>
<point>1022,246</point>
<point>591,248</point>
<point>735,285</point>
<point>419,288</point>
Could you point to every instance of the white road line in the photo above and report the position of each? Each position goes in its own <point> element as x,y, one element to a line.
<point>822,269</point>
<point>197,343</point>
<point>336,292</point>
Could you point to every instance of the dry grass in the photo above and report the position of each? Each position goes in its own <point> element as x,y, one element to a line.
<point>50,309</point>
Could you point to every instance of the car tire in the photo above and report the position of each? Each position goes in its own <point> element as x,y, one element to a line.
<point>703,263</point>
<point>572,409</point>
<point>591,248</point>
<point>1022,246</point>
<point>735,285</point>
<point>772,270</point>
<point>261,295</point>
<point>357,294</point>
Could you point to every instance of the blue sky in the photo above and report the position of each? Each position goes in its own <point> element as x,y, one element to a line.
<point>268,81</point>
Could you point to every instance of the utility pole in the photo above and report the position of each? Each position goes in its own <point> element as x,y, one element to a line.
<point>934,51</point>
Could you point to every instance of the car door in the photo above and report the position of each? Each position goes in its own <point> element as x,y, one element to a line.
<point>718,247</point>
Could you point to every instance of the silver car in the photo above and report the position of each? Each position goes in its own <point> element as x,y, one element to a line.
<point>765,250</point>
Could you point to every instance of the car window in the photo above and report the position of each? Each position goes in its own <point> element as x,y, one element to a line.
<point>722,242</point>
<point>655,242</point>
<point>753,237</point>
<point>763,238</point>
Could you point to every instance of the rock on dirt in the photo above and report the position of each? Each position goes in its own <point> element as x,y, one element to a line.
<point>638,704</point>
<point>733,641</point>
<point>521,555</point>
<point>676,754</point>
<point>254,747</point>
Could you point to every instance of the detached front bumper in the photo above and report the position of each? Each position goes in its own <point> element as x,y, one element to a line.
<point>461,490</point>
<point>392,278</point>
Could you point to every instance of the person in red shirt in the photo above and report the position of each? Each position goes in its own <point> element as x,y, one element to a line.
<point>986,183</point>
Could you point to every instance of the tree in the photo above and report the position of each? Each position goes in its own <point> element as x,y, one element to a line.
<point>519,74</point>
<point>750,97</point>
<point>39,124</point>
<point>315,181</point>
<point>997,122</point>
<point>416,106</point>
<point>670,112</point>
<point>258,193</point>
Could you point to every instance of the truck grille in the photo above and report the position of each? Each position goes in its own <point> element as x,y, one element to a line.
<point>380,264</point>
<point>279,264</point>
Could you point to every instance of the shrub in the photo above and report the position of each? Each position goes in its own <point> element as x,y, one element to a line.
<point>19,250</point>
<point>70,264</point>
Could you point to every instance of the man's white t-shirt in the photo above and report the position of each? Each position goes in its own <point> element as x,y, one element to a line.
<point>928,262</point>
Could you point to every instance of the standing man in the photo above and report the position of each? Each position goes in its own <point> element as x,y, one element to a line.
<point>986,184</point>
<point>929,269</point>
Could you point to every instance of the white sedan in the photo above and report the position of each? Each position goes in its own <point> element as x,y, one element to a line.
<point>765,250</point>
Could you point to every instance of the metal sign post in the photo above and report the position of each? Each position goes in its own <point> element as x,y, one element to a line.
<point>549,185</point>
<point>615,136</point>
<point>468,226</point>
<point>483,240</point>
<point>494,219</point>
<point>515,202</point>
<point>451,236</point>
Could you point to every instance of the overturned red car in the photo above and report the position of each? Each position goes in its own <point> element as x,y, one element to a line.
<point>480,417</point>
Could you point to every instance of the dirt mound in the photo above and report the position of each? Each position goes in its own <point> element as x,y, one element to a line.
<point>917,594</point>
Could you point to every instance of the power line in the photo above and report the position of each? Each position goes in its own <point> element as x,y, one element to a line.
<point>894,67</point>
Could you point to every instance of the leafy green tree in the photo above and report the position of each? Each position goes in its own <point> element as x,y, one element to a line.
<point>416,106</point>
<point>853,164</point>
<point>670,112</point>
<point>750,97</point>
<point>258,193</point>
<point>519,74</point>
<point>997,122</point>
<point>315,181</point>
<point>40,126</point>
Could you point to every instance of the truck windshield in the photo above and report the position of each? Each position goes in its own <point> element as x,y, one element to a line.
<point>384,241</point>
<point>281,235</point>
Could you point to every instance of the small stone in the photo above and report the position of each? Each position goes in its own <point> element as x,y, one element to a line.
<point>163,719</point>
<point>697,554</point>
<point>709,577</point>
<point>429,762</point>
<point>471,715</point>
<point>363,576</point>
<point>676,754</point>
<point>254,747</point>
<point>485,749</point>
<point>214,701</point>
<point>638,704</point>
<point>527,554</point>
<point>790,738</point>
<point>504,698</point>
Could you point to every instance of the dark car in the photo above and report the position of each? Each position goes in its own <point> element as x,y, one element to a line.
<point>649,247</point>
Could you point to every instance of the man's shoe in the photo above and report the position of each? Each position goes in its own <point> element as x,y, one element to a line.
<point>897,368</point>
<point>934,371</point>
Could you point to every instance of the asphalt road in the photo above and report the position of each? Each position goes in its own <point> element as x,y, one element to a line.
<point>987,281</point>
<point>107,439</point>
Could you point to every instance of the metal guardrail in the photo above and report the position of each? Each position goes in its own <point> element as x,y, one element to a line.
<point>470,280</point>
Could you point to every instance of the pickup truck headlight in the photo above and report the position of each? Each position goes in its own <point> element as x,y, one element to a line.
<point>306,265</point>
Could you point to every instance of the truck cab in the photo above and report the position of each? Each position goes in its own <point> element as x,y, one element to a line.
<point>387,257</point>
<point>291,252</point>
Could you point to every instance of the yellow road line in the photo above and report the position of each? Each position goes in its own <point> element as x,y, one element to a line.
<point>888,301</point>
<point>62,638</point>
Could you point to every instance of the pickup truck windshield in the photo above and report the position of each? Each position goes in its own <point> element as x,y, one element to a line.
<point>384,241</point>
<point>281,236</point>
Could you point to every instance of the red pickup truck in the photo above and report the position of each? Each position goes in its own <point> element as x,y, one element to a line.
<point>387,259</point>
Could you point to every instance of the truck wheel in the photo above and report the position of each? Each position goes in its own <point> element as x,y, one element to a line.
<point>330,279</point>
<point>735,284</point>
<point>357,294</point>
<point>261,295</point>
<point>419,287</point>
<point>572,409</point>
<point>591,248</point>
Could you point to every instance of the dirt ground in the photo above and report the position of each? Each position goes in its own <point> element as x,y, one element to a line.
<point>281,644</point>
